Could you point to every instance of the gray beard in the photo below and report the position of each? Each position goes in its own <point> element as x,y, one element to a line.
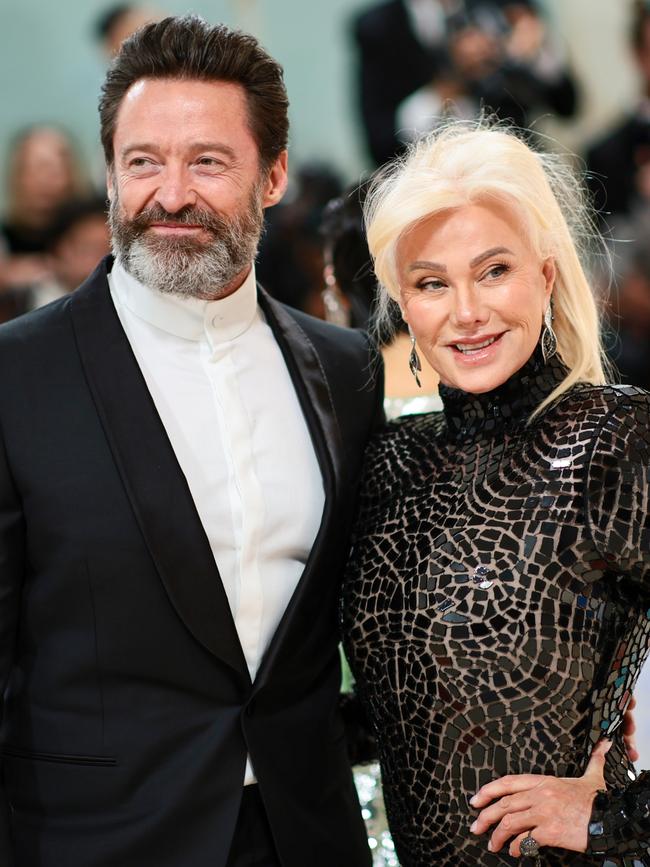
<point>184,266</point>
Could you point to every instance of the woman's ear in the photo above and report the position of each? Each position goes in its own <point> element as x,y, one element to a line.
<point>549,274</point>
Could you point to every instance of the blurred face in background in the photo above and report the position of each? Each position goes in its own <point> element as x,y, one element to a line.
<point>76,254</point>
<point>43,176</point>
<point>643,55</point>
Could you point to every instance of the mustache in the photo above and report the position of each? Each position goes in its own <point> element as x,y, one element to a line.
<point>188,215</point>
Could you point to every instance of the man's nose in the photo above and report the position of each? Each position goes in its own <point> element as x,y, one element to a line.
<point>175,191</point>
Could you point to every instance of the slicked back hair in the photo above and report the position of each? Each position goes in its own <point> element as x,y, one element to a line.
<point>188,48</point>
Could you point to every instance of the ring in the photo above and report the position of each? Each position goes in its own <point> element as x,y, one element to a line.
<point>529,847</point>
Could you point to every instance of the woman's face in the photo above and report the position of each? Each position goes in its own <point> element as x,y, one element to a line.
<point>474,293</point>
<point>44,174</point>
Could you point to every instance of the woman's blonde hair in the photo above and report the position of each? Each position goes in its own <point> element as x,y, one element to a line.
<point>462,163</point>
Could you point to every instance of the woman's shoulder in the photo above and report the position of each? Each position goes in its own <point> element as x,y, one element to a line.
<point>609,419</point>
<point>592,405</point>
<point>397,452</point>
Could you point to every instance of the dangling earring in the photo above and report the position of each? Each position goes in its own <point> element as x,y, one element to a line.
<point>549,340</point>
<point>415,365</point>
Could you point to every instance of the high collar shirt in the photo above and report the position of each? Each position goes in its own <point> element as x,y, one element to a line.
<point>225,397</point>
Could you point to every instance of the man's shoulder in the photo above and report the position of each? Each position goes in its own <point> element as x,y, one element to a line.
<point>37,330</point>
<point>36,325</point>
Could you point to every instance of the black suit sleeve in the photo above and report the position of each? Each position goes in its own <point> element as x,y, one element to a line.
<point>12,558</point>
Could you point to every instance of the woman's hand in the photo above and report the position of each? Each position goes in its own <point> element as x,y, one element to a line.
<point>629,732</point>
<point>554,810</point>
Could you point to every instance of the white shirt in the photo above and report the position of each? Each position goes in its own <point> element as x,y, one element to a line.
<point>227,402</point>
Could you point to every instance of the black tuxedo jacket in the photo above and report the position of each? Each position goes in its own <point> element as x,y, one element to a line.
<point>128,709</point>
<point>614,162</point>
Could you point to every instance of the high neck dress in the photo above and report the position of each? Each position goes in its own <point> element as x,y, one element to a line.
<point>496,607</point>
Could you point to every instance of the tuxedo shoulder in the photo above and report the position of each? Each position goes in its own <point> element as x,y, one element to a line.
<point>336,335</point>
<point>34,329</point>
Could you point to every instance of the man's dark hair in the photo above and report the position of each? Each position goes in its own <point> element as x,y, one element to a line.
<point>189,48</point>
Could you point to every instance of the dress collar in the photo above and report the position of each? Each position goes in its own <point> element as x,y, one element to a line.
<point>470,416</point>
<point>191,318</point>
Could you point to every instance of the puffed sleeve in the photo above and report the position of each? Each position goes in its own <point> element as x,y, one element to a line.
<point>619,485</point>
<point>618,494</point>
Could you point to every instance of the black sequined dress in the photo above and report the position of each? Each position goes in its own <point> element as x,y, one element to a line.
<point>496,608</point>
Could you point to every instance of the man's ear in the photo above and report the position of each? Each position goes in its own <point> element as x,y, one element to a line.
<point>276,181</point>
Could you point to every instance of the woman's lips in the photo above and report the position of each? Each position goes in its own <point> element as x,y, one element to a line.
<point>478,350</point>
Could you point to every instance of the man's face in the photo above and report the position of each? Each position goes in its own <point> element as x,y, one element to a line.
<point>187,192</point>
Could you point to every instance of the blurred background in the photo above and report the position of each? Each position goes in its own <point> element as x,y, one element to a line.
<point>363,78</point>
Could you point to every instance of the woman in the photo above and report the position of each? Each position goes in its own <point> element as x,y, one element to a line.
<point>496,607</point>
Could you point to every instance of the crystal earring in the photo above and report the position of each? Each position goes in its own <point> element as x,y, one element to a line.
<point>549,340</point>
<point>415,365</point>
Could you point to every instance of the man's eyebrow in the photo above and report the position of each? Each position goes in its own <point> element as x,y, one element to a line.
<point>197,147</point>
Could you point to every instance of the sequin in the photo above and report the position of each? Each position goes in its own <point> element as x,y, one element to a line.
<point>495,608</point>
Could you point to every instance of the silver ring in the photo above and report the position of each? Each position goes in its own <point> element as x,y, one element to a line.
<point>529,847</point>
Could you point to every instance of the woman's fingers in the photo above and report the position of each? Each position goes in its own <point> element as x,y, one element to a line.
<point>496,811</point>
<point>508,785</point>
<point>512,825</point>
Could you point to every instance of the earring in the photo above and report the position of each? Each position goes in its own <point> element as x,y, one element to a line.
<point>415,365</point>
<point>549,340</point>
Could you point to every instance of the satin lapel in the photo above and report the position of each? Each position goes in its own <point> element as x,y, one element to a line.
<point>313,391</point>
<point>311,385</point>
<point>152,477</point>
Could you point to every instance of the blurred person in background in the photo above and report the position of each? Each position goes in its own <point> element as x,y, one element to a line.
<point>628,329</point>
<point>118,22</point>
<point>350,297</point>
<point>419,59</point>
<point>43,172</point>
<point>78,241</point>
<point>619,162</point>
<point>290,259</point>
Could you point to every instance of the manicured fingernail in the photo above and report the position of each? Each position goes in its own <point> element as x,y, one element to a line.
<point>489,845</point>
<point>473,827</point>
<point>473,799</point>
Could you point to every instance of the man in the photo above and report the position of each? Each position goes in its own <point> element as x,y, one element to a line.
<point>178,460</point>
<point>619,161</point>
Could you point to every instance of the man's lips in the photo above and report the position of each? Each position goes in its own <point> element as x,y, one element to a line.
<point>176,228</point>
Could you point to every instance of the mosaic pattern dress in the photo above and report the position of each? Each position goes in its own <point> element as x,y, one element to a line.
<point>496,607</point>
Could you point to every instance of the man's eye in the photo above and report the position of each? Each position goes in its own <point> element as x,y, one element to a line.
<point>138,162</point>
<point>210,162</point>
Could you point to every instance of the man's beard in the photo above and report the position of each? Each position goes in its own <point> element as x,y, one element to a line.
<point>184,265</point>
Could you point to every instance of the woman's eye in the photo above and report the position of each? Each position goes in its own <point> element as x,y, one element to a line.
<point>497,271</point>
<point>431,285</point>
